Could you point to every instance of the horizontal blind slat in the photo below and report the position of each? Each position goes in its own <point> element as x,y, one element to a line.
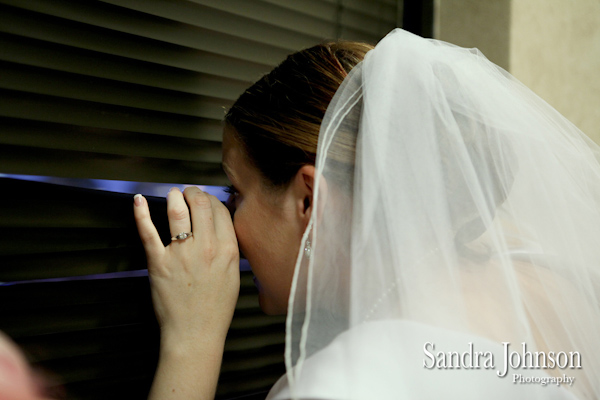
<point>392,3</point>
<point>384,11</point>
<point>70,164</point>
<point>266,335</point>
<point>80,337</point>
<point>361,20</point>
<point>98,366</point>
<point>37,53</point>
<point>249,382</point>
<point>312,24</point>
<point>86,342</point>
<point>216,19</point>
<point>72,207</point>
<point>103,91</point>
<point>115,339</point>
<point>72,263</point>
<point>141,25</point>
<point>50,136</point>
<point>15,104</point>
<point>59,31</point>
<point>314,8</point>
<point>17,240</point>
<point>129,386</point>
<point>59,295</point>
<point>68,319</point>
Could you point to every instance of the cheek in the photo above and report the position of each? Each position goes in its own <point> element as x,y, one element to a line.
<point>253,229</point>
<point>263,239</point>
<point>245,230</point>
<point>260,231</point>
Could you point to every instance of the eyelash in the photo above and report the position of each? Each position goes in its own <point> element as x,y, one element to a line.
<point>230,189</point>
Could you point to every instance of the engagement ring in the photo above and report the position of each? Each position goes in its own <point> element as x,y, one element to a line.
<point>182,235</point>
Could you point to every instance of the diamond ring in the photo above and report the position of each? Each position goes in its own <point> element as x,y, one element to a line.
<point>182,236</point>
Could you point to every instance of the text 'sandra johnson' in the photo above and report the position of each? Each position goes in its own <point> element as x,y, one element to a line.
<point>471,359</point>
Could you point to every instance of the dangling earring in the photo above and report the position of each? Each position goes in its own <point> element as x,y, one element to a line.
<point>307,249</point>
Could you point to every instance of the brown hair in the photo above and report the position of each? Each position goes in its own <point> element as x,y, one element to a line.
<point>277,119</point>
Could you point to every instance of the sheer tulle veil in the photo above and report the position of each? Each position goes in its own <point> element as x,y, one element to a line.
<point>451,202</point>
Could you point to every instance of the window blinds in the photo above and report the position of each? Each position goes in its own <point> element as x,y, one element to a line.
<point>130,90</point>
<point>136,89</point>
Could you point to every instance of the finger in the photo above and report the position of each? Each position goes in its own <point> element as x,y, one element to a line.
<point>223,222</point>
<point>202,212</point>
<point>148,234</point>
<point>178,213</point>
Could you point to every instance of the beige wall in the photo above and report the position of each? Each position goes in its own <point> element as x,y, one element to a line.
<point>555,50</point>
<point>484,24</point>
<point>552,46</point>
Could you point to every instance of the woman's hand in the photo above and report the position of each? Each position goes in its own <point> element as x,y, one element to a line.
<point>195,284</point>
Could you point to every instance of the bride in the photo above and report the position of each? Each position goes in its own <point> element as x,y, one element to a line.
<point>430,227</point>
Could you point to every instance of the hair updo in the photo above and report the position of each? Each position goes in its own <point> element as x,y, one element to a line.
<point>277,119</point>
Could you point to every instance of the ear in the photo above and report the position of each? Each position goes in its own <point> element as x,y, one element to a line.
<point>304,186</point>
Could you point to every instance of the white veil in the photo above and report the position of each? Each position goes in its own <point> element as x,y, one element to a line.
<point>454,206</point>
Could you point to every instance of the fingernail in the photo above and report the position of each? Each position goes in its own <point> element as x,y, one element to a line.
<point>137,199</point>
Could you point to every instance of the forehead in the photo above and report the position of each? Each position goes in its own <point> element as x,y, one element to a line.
<point>235,161</point>
<point>241,171</point>
<point>231,150</point>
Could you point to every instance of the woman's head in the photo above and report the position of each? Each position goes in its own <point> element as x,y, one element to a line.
<point>269,151</point>
<point>277,119</point>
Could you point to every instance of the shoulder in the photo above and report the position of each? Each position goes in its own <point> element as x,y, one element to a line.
<point>385,360</point>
